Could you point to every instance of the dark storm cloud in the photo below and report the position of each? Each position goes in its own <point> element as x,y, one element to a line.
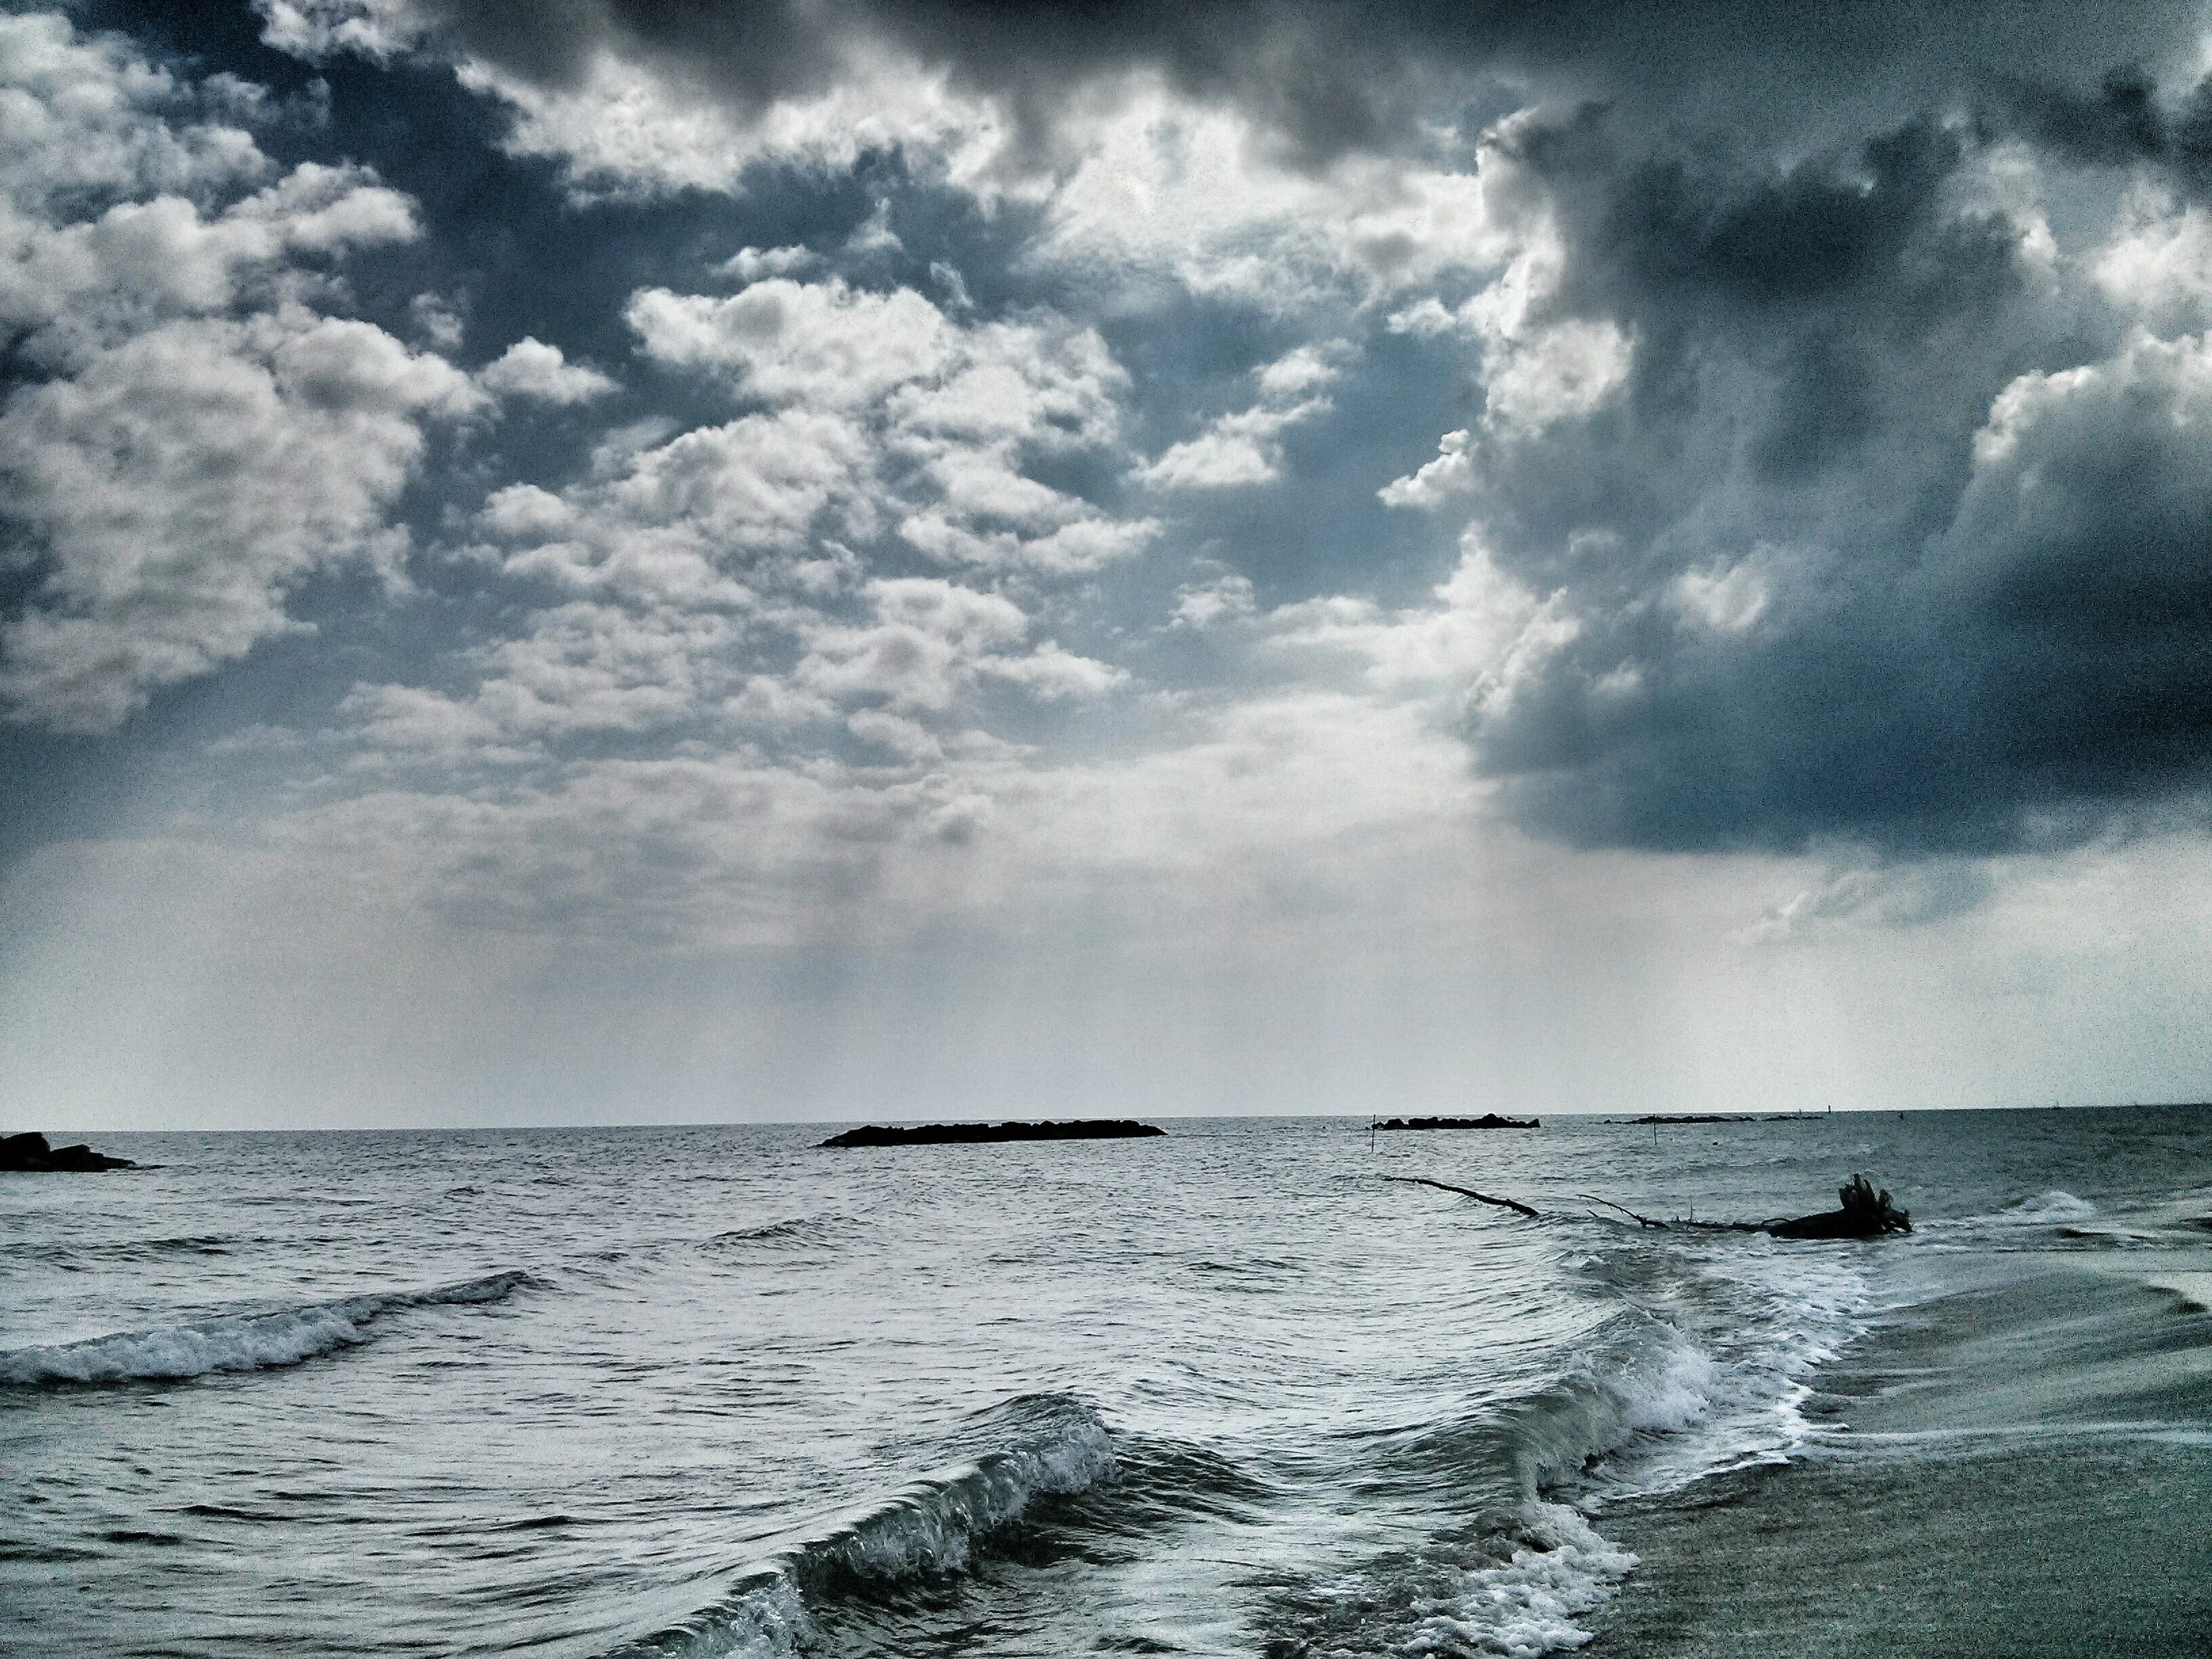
<point>2123,120</point>
<point>1960,643</point>
<point>1329,77</point>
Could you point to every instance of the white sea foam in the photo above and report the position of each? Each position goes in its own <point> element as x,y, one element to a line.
<point>1714,1377</point>
<point>1528,1605</point>
<point>2056,1204</point>
<point>1520,1591</point>
<point>235,1342</point>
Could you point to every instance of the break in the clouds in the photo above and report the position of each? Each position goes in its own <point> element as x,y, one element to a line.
<point>792,483</point>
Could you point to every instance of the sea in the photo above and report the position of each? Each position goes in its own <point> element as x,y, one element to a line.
<point>721,1391</point>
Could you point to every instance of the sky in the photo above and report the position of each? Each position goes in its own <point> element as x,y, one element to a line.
<point>654,560</point>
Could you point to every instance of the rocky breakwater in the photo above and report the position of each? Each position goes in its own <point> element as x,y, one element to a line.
<point>32,1154</point>
<point>960,1134</point>
<point>1487,1121</point>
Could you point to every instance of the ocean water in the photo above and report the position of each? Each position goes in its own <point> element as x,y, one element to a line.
<point>717,1391</point>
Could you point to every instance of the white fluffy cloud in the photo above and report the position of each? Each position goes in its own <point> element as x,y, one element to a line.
<point>531,368</point>
<point>183,482</point>
<point>2091,486</point>
<point>206,436</point>
<point>722,579</point>
<point>1245,447</point>
<point>943,419</point>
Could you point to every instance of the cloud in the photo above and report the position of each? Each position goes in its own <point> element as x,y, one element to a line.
<point>2121,122</point>
<point>825,345</point>
<point>1855,545</point>
<point>1729,367</point>
<point>180,485</point>
<point>735,576</point>
<point>1245,447</point>
<point>953,415</point>
<point>1216,604</point>
<point>197,437</point>
<point>531,368</point>
<point>1913,896</point>
<point>1322,81</point>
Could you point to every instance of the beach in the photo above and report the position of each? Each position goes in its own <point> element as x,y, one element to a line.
<point>2013,1466</point>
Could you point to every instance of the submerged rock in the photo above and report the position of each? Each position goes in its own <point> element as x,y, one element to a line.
<point>935,1134</point>
<point>30,1153</point>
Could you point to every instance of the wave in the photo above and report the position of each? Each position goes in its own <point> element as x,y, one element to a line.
<point>804,1229</point>
<point>1703,1368</point>
<point>2056,1204</point>
<point>1565,1432</point>
<point>235,1342</point>
<point>2024,1224</point>
<point>1699,1362</point>
<point>1516,1590</point>
<point>1050,1445</point>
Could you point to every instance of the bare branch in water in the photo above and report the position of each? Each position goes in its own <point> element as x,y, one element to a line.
<point>1467,1191</point>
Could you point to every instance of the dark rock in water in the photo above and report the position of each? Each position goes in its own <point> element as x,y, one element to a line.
<point>1865,1215</point>
<point>1487,1121</point>
<point>27,1153</point>
<point>938,1134</point>
<point>1695,1117</point>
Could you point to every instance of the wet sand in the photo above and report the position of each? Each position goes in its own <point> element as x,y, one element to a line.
<point>2056,1551</point>
<point>2022,1469</point>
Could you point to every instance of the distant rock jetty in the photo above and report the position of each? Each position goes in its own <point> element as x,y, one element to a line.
<point>963,1134</point>
<point>30,1154</point>
<point>1487,1121</point>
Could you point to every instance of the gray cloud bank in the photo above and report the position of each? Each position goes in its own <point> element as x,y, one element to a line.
<point>1847,444</point>
<point>1328,77</point>
<point>1960,512</point>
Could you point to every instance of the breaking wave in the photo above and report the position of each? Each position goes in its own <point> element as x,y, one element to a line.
<point>2056,1204</point>
<point>235,1342</point>
<point>1517,1589</point>
<point>1054,1445</point>
<point>1703,1368</point>
<point>1698,1364</point>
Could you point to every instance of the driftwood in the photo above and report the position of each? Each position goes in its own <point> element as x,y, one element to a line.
<point>1640,1220</point>
<point>1865,1214</point>
<point>1512,1204</point>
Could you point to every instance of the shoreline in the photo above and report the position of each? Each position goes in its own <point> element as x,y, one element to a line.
<point>2013,1468</point>
<point>2018,1552</point>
